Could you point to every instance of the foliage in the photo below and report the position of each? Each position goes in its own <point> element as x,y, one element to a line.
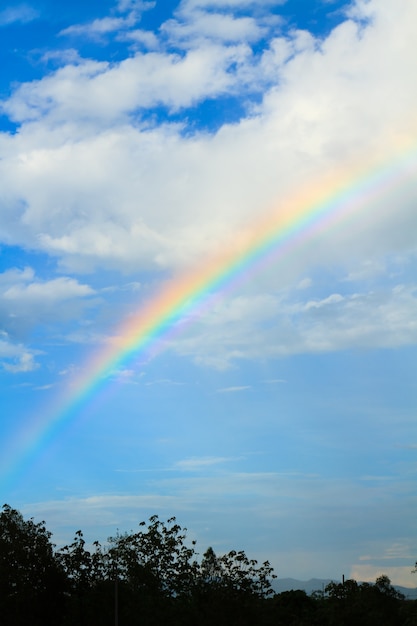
<point>294,608</point>
<point>364,604</point>
<point>153,577</point>
<point>155,559</point>
<point>29,572</point>
<point>235,574</point>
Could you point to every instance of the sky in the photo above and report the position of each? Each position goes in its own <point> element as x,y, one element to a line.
<point>241,176</point>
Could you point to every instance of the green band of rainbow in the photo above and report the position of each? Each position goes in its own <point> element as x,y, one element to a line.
<point>318,209</point>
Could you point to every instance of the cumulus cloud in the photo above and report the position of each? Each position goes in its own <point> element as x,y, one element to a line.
<point>26,300</point>
<point>95,182</point>
<point>57,289</point>
<point>92,192</point>
<point>105,94</point>
<point>222,20</point>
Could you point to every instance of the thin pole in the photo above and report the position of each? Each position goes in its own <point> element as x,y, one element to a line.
<point>116,598</point>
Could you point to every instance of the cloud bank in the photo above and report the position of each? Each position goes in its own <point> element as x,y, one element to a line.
<point>107,171</point>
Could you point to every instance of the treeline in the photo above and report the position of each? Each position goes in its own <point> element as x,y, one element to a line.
<point>153,578</point>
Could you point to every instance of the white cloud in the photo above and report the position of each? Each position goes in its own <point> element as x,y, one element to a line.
<point>195,21</point>
<point>398,550</point>
<point>124,374</point>
<point>199,463</point>
<point>368,269</point>
<point>124,6</point>
<point>305,283</point>
<point>25,300</point>
<point>334,298</point>
<point>256,327</point>
<point>92,194</point>
<point>213,26</point>
<point>224,495</point>
<point>143,37</point>
<point>20,13</point>
<point>15,275</point>
<point>103,26</point>
<point>69,56</point>
<point>99,516</point>
<point>99,27</point>
<point>361,10</point>
<point>105,94</point>
<point>229,516</point>
<point>15,357</point>
<point>162,381</point>
<point>49,292</point>
<point>234,389</point>
<point>25,363</point>
<point>228,4</point>
<point>400,575</point>
<point>89,182</point>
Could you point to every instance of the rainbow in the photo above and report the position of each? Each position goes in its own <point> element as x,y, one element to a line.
<point>320,207</point>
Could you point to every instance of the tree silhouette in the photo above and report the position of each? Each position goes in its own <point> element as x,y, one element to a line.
<point>32,584</point>
<point>364,604</point>
<point>153,577</point>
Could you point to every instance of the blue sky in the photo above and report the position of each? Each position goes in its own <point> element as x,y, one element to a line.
<point>136,138</point>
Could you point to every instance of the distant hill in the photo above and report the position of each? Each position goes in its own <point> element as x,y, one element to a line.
<point>289,584</point>
<point>318,584</point>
